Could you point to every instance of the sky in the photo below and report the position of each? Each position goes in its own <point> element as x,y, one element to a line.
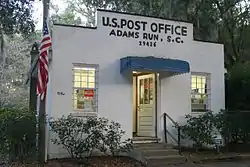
<point>38,11</point>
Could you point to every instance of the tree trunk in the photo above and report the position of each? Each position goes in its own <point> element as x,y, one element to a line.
<point>2,62</point>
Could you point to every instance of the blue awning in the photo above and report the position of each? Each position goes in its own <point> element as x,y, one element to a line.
<point>153,64</point>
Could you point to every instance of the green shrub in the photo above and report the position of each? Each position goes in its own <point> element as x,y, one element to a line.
<point>17,133</point>
<point>233,130</point>
<point>202,128</point>
<point>199,129</point>
<point>237,87</point>
<point>221,122</point>
<point>113,139</point>
<point>80,137</point>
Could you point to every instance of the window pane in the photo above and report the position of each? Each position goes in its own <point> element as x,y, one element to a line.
<point>199,92</point>
<point>141,92</point>
<point>74,100</point>
<point>77,84</point>
<point>91,72</point>
<point>194,85</point>
<point>91,85</point>
<point>84,95</point>
<point>84,84</point>
<point>151,89</point>
<point>84,78</point>
<point>193,79</point>
<point>198,81</point>
<point>202,91</point>
<point>77,78</point>
<point>84,99</point>
<point>203,79</point>
<point>201,84</point>
<point>91,79</point>
<point>79,99</point>
<point>146,91</point>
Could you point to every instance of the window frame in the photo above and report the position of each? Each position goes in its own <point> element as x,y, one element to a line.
<point>207,90</point>
<point>84,112</point>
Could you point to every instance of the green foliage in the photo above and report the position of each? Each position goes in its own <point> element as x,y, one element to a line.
<point>14,66</point>
<point>66,17</point>
<point>16,17</point>
<point>202,128</point>
<point>232,129</point>
<point>80,137</point>
<point>113,139</point>
<point>70,131</point>
<point>237,87</point>
<point>17,133</point>
<point>199,129</point>
<point>221,123</point>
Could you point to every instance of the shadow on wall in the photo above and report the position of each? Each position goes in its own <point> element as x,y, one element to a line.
<point>110,74</point>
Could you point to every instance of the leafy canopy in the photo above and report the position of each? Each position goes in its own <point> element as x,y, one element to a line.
<point>16,16</point>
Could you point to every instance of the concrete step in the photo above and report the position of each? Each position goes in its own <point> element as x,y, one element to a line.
<point>147,146</point>
<point>138,140</point>
<point>160,152</point>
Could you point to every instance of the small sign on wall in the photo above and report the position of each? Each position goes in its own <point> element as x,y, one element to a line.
<point>61,93</point>
<point>89,93</point>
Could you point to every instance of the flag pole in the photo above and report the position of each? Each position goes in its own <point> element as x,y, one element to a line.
<point>42,111</point>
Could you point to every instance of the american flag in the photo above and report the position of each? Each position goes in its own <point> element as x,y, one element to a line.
<point>43,62</point>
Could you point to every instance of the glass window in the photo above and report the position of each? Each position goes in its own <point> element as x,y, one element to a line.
<point>151,93</point>
<point>200,95</point>
<point>141,91</point>
<point>85,88</point>
<point>146,90</point>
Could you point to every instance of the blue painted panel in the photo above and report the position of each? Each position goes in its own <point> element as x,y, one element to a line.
<point>153,64</point>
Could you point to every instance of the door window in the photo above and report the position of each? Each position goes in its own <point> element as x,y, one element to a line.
<point>146,91</point>
<point>141,91</point>
<point>151,90</point>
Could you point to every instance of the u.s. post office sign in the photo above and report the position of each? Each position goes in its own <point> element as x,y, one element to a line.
<point>148,31</point>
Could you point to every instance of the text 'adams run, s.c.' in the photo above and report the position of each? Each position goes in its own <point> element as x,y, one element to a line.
<point>148,33</point>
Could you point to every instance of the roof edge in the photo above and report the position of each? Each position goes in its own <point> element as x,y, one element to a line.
<point>207,41</point>
<point>134,14</point>
<point>77,26</point>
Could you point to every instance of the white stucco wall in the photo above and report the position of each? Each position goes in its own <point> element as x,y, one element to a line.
<point>95,46</point>
<point>175,91</point>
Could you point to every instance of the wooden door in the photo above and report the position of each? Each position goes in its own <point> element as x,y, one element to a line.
<point>146,105</point>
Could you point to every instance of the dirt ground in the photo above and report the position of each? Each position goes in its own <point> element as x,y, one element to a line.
<point>216,164</point>
<point>121,163</point>
<point>105,161</point>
